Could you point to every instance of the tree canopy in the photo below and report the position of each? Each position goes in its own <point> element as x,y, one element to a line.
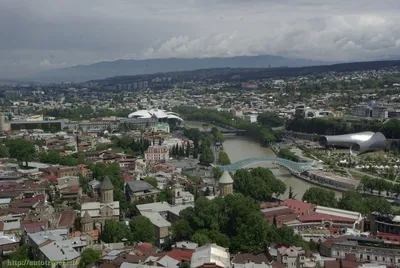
<point>89,256</point>
<point>258,183</point>
<point>233,221</point>
<point>115,231</point>
<point>320,197</point>
<point>21,149</point>
<point>223,158</point>
<point>142,230</point>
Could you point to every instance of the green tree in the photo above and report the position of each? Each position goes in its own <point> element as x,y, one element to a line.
<point>152,181</point>
<point>21,254</point>
<point>270,119</point>
<point>223,158</point>
<point>376,204</point>
<point>201,239</point>
<point>115,232</point>
<point>187,151</point>
<point>320,197</point>
<point>258,183</point>
<point>207,156</point>
<point>4,151</point>
<point>142,230</point>
<point>89,256</point>
<point>353,201</point>
<point>252,234</point>
<point>181,230</point>
<point>21,149</point>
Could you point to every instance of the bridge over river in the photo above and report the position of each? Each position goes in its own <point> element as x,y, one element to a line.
<point>295,167</point>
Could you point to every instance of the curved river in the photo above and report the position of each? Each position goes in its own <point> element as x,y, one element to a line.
<point>239,148</point>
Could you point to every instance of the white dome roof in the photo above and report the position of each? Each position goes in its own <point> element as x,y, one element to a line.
<point>140,114</point>
<point>226,178</point>
<point>171,116</point>
<point>154,112</point>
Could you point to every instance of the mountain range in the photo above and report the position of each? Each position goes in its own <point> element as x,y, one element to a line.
<point>104,69</point>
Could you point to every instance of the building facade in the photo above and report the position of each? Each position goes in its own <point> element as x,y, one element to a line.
<point>157,154</point>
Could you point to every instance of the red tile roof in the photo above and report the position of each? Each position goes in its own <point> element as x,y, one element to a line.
<point>386,236</point>
<point>33,227</point>
<point>67,219</point>
<point>51,178</point>
<point>299,207</point>
<point>315,216</point>
<point>180,255</point>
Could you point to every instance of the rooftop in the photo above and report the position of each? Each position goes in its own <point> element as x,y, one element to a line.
<point>156,219</point>
<point>43,236</point>
<point>211,254</point>
<point>63,250</point>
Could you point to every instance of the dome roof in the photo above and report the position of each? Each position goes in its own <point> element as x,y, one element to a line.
<point>140,113</point>
<point>154,112</point>
<point>106,184</point>
<point>226,178</point>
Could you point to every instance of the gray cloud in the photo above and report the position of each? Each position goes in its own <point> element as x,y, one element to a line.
<point>45,34</point>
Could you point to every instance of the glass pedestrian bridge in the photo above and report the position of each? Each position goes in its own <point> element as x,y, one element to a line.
<point>297,167</point>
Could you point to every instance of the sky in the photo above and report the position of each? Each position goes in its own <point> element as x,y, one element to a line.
<point>46,34</point>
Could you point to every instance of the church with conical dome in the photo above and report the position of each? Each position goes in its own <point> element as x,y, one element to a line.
<point>225,184</point>
<point>99,212</point>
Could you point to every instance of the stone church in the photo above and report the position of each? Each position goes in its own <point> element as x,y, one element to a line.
<point>99,212</point>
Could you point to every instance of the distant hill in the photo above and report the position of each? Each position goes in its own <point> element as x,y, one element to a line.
<point>101,70</point>
<point>246,74</point>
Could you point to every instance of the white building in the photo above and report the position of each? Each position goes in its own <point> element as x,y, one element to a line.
<point>292,257</point>
<point>211,254</point>
<point>181,196</point>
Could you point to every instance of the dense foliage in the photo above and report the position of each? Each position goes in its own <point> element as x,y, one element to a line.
<point>270,119</point>
<point>233,221</point>
<point>320,196</point>
<point>350,200</point>
<point>223,158</point>
<point>89,256</point>
<point>54,157</point>
<point>142,230</point>
<point>21,254</point>
<point>206,154</point>
<point>287,154</point>
<point>262,133</point>
<point>366,205</point>
<point>131,145</point>
<point>258,183</point>
<point>22,150</point>
<point>337,126</point>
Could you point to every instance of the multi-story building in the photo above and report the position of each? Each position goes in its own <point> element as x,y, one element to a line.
<point>50,125</point>
<point>157,154</point>
<point>368,249</point>
<point>384,223</point>
<point>54,246</point>
<point>140,190</point>
<point>292,257</point>
<point>61,171</point>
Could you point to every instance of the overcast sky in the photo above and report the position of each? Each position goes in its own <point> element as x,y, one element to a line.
<point>42,34</point>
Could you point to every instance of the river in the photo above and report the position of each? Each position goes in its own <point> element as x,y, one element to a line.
<point>240,148</point>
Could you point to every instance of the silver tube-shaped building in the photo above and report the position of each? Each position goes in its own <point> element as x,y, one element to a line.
<point>357,142</point>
